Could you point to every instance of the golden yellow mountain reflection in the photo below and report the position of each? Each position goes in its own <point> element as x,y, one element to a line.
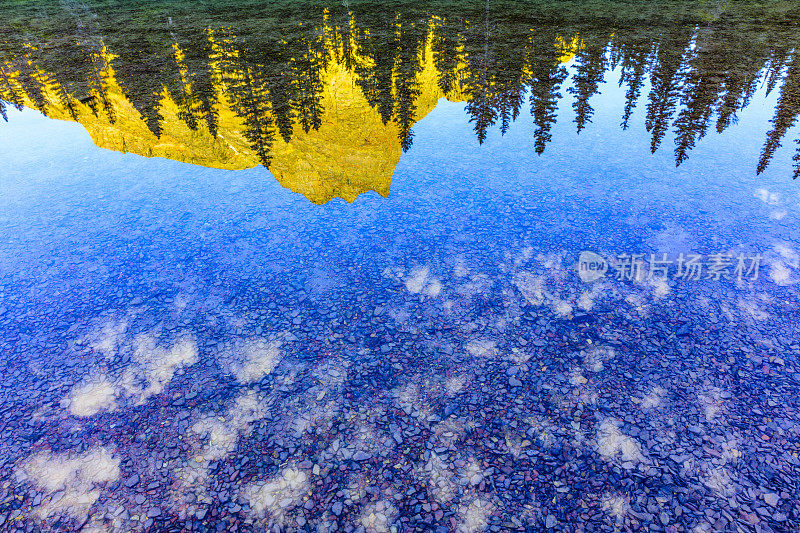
<point>350,151</point>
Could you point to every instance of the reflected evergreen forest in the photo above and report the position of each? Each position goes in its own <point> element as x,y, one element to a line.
<point>326,94</point>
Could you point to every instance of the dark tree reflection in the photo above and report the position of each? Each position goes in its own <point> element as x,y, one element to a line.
<point>269,62</point>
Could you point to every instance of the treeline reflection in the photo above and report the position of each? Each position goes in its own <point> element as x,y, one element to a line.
<point>257,81</point>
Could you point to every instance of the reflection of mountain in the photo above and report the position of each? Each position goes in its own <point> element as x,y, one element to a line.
<point>350,152</point>
<point>349,149</point>
<point>326,98</point>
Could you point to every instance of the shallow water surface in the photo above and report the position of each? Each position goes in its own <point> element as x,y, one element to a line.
<point>430,266</point>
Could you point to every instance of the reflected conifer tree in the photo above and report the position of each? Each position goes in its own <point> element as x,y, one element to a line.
<point>248,92</point>
<point>479,85</point>
<point>785,114</point>
<point>29,79</point>
<point>409,37</point>
<point>699,96</point>
<point>447,42</point>
<point>270,67</point>
<point>308,85</point>
<point>631,50</point>
<point>547,75</point>
<point>666,80</point>
<point>511,79</point>
<point>140,70</point>
<point>590,69</point>
<point>376,79</point>
<point>196,96</point>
